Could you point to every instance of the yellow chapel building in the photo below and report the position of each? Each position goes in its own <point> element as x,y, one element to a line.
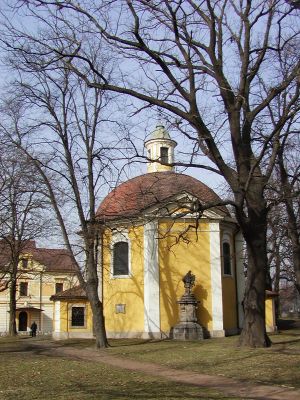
<point>151,233</point>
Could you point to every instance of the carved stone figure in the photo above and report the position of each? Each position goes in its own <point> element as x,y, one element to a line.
<point>188,327</point>
<point>189,282</point>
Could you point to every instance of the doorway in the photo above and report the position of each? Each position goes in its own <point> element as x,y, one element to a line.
<point>23,319</point>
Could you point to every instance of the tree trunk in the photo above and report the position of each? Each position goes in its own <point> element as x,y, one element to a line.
<point>98,317</point>
<point>99,324</point>
<point>277,284</point>
<point>93,296</point>
<point>12,308</point>
<point>254,228</point>
<point>254,329</point>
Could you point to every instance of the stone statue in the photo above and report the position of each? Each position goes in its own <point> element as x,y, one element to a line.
<point>188,327</point>
<point>189,282</point>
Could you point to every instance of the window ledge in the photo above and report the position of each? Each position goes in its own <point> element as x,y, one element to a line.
<point>78,327</point>
<point>121,276</point>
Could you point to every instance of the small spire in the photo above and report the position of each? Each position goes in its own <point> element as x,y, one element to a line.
<point>160,150</point>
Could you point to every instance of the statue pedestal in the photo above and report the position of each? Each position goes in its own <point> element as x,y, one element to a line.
<point>188,327</point>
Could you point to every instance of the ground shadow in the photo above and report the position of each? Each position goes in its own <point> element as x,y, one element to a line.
<point>288,324</point>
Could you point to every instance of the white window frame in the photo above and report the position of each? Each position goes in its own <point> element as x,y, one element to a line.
<point>161,155</point>
<point>24,295</point>
<point>60,283</point>
<point>120,237</point>
<point>82,305</point>
<point>227,239</point>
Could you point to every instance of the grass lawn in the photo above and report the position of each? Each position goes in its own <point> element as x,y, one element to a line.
<point>26,374</point>
<point>278,365</point>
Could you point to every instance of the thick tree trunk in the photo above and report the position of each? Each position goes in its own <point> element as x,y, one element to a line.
<point>254,228</point>
<point>98,317</point>
<point>12,308</point>
<point>254,329</point>
<point>99,323</point>
<point>93,296</point>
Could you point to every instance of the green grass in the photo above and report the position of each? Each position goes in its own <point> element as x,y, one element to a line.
<point>25,373</point>
<point>278,365</point>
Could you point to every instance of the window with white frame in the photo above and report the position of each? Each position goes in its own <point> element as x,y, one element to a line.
<point>24,263</point>
<point>164,155</point>
<point>120,255</point>
<point>120,258</point>
<point>59,287</point>
<point>23,288</point>
<point>78,316</point>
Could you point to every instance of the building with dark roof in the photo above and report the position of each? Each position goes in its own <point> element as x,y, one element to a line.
<point>41,273</point>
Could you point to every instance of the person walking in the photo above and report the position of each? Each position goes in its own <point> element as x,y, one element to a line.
<point>33,329</point>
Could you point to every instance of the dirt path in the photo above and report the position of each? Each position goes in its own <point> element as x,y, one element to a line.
<point>229,386</point>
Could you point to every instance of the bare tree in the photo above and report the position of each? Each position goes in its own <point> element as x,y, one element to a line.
<point>215,67</point>
<point>290,187</point>
<point>284,190</point>
<point>284,217</point>
<point>63,119</point>
<point>23,212</point>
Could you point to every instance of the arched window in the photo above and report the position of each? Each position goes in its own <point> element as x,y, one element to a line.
<point>226,259</point>
<point>120,259</point>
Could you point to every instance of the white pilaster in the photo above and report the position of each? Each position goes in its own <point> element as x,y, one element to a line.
<point>216,280</point>
<point>57,316</point>
<point>100,268</point>
<point>151,279</point>
<point>240,275</point>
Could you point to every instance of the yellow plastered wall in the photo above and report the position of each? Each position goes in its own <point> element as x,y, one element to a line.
<point>129,290</point>
<point>49,288</point>
<point>229,302</point>
<point>229,293</point>
<point>65,316</point>
<point>176,257</point>
<point>270,314</point>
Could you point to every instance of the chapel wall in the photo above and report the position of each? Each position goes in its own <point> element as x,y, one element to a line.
<point>124,297</point>
<point>229,290</point>
<point>183,248</point>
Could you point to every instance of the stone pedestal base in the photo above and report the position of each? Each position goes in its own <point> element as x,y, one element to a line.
<point>187,331</point>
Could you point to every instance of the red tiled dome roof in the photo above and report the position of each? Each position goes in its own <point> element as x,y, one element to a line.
<point>144,191</point>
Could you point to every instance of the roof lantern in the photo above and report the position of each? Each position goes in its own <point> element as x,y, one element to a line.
<point>160,150</point>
